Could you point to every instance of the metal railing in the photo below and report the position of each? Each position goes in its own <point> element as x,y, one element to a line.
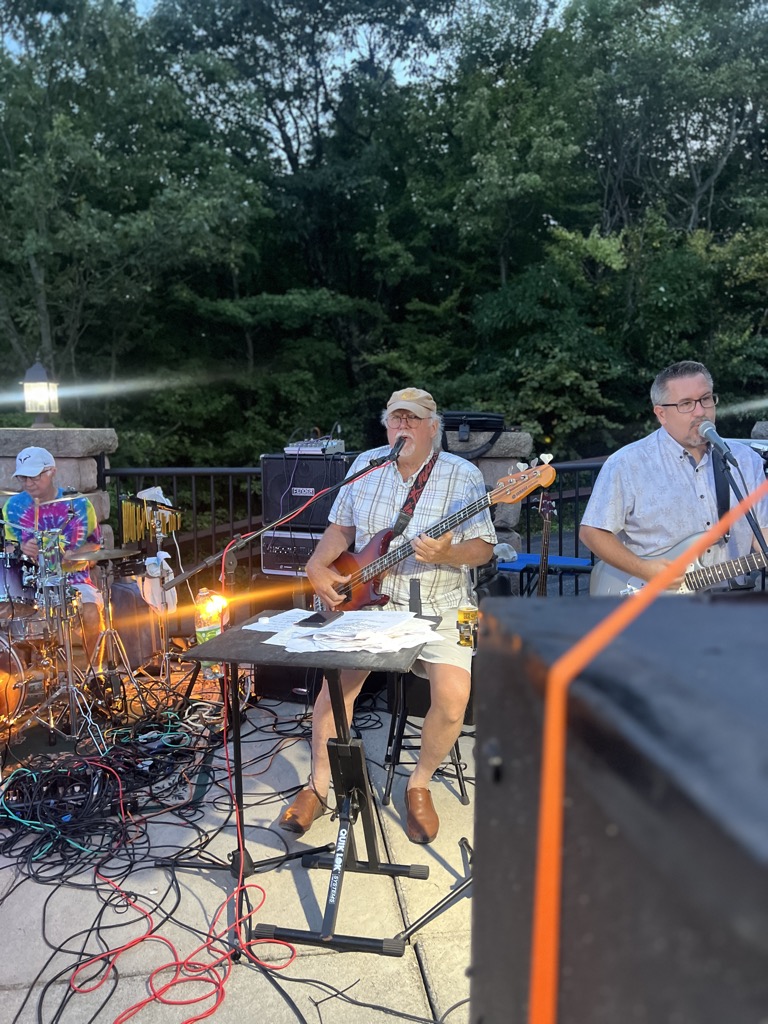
<point>220,503</point>
<point>216,504</point>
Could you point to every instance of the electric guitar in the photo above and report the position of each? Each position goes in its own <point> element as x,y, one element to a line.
<point>547,510</point>
<point>606,581</point>
<point>366,567</point>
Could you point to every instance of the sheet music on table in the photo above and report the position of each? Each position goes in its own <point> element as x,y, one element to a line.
<point>354,631</point>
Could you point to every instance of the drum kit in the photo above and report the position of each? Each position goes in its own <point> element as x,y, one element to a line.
<point>39,609</point>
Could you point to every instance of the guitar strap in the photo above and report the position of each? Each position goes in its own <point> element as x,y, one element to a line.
<point>722,490</point>
<point>405,514</point>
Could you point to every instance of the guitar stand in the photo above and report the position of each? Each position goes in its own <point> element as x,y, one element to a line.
<point>354,797</point>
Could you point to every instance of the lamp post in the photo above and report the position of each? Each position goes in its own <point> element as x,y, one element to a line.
<point>41,396</point>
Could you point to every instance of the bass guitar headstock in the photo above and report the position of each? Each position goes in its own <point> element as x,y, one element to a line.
<point>513,488</point>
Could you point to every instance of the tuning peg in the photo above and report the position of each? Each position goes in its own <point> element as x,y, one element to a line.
<point>534,463</point>
<point>547,458</point>
<point>522,466</point>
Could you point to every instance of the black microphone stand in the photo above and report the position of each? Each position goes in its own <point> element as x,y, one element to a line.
<point>241,864</point>
<point>240,541</point>
<point>727,469</point>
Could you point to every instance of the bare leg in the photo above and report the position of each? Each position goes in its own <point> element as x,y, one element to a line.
<point>449,695</point>
<point>310,802</point>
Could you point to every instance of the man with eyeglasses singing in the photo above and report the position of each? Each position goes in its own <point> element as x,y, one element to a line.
<point>658,493</point>
<point>361,510</point>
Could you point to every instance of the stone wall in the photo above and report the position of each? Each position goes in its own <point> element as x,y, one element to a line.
<point>75,450</point>
<point>511,447</point>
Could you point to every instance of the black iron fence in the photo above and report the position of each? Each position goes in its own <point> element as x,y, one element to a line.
<point>217,504</point>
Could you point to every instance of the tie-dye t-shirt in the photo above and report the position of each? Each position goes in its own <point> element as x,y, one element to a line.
<point>75,517</point>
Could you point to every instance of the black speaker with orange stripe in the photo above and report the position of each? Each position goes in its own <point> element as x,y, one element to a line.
<point>665,845</point>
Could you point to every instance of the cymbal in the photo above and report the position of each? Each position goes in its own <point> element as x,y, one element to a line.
<point>99,554</point>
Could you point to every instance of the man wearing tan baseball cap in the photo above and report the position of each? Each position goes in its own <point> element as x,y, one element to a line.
<point>363,509</point>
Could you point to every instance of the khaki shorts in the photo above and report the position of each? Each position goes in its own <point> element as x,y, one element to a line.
<point>446,650</point>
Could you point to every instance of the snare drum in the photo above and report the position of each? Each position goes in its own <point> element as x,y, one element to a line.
<point>13,684</point>
<point>18,585</point>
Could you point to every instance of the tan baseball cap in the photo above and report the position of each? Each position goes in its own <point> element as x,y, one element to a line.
<point>414,400</point>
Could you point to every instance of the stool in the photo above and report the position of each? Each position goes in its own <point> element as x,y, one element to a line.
<point>412,701</point>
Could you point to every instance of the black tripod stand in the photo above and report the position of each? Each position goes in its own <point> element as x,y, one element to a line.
<point>354,797</point>
<point>354,794</point>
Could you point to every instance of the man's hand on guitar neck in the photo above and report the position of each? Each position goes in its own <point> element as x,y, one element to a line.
<point>433,550</point>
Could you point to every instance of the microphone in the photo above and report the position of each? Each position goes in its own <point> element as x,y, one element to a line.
<point>708,432</point>
<point>397,447</point>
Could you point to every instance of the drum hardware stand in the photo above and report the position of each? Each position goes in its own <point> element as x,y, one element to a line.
<point>165,654</point>
<point>77,709</point>
<point>108,658</point>
<point>53,599</point>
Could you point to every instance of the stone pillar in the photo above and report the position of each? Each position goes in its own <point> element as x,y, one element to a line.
<point>75,450</point>
<point>511,447</point>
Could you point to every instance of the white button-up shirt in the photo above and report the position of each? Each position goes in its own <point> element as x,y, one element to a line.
<point>653,495</point>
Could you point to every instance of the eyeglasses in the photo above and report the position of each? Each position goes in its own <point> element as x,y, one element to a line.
<point>689,404</point>
<point>403,419</point>
<point>40,475</point>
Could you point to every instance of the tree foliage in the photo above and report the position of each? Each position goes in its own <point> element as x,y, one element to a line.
<point>229,223</point>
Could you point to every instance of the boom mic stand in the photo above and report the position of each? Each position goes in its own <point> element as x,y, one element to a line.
<point>749,516</point>
<point>240,541</point>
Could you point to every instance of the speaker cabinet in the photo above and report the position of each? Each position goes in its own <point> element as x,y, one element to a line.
<point>289,481</point>
<point>665,849</point>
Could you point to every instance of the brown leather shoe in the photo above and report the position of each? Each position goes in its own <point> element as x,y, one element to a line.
<point>422,822</point>
<point>298,817</point>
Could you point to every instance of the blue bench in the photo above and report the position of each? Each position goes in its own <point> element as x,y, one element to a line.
<point>528,567</point>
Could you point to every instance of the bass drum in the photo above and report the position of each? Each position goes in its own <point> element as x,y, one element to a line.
<point>13,686</point>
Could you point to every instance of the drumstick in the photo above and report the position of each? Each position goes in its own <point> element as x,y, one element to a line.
<point>37,513</point>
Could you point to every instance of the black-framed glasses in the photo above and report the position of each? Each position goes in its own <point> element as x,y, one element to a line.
<point>403,419</point>
<point>689,404</point>
<point>43,472</point>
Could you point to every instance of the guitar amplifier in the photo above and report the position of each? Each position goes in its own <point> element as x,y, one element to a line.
<point>289,481</point>
<point>286,552</point>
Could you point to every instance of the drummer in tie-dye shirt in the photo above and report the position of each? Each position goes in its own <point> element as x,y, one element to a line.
<point>30,515</point>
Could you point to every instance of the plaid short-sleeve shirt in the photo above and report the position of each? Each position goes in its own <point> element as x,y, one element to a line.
<point>372,504</point>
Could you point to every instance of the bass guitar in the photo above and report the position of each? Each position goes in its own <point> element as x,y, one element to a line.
<point>366,567</point>
<point>605,581</point>
<point>547,510</point>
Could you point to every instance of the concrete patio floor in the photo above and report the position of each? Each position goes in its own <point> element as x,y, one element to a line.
<point>50,926</point>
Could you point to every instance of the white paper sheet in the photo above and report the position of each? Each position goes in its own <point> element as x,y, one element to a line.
<point>357,631</point>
